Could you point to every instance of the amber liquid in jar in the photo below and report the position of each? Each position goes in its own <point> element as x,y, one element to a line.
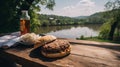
<point>24,26</point>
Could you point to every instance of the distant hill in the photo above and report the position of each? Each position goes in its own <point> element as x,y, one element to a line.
<point>96,18</point>
<point>99,17</point>
<point>48,20</point>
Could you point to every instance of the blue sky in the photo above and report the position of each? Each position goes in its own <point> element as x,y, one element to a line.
<point>74,8</point>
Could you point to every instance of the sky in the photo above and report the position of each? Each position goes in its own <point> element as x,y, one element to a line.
<point>74,8</point>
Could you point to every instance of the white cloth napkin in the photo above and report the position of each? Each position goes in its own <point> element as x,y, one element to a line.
<point>8,40</point>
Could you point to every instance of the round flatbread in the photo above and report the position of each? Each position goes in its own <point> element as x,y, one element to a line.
<point>55,49</point>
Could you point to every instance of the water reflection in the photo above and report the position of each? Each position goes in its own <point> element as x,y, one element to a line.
<point>70,31</point>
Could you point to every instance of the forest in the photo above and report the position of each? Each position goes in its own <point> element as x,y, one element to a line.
<point>48,20</point>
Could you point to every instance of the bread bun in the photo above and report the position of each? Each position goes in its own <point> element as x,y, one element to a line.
<point>56,49</point>
<point>29,38</point>
<point>43,40</point>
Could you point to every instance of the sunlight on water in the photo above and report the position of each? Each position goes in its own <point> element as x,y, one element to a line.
<point>71,31</point>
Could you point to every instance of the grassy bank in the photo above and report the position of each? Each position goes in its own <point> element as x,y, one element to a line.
<point>97,39</point>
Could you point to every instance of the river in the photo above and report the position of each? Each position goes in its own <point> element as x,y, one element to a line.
<point>71,31</point>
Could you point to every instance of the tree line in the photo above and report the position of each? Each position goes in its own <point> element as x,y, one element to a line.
<point>50,20</point>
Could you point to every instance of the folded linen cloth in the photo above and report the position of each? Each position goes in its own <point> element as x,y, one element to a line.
<point>8,41</point>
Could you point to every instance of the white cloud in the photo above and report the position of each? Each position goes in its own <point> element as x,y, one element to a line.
<point>88,3</point>
<point>82,8</point>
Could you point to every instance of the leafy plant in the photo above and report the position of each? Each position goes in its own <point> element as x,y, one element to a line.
<point>105,29</point>
<point>82,37</point>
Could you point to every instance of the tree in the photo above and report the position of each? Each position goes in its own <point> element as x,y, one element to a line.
<point>11,10</point>
<point>115,7</point>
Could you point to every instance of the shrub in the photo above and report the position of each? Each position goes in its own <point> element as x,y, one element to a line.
<point>105,29</point>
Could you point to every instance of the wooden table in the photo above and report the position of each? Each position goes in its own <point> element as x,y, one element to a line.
<point>82,55</point>
<point>27,56</point>
<point>30,57</point>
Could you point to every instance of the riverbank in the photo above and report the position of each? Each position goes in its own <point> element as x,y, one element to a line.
<point>98,39</point>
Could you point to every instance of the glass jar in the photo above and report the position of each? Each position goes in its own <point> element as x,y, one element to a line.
<point>24,22</point>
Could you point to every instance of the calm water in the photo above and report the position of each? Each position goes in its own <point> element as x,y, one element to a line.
<point>71,31</point>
